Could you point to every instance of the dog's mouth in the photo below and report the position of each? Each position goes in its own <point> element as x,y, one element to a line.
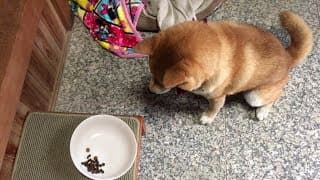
<point>180,91</point>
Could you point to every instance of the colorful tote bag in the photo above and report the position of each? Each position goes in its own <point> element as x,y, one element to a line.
<point>112,23</point>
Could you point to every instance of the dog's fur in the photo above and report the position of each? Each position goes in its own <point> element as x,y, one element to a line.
<point>223,58</point>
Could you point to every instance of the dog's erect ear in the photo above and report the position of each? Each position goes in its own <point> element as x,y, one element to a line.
<point>148,45</point>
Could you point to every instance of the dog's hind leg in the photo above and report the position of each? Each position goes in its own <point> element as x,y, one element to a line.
<point>263,97</point>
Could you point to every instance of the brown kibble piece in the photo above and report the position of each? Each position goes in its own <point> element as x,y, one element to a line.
<point>92,164</point>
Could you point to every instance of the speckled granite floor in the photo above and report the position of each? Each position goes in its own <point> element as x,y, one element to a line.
<point>286,145</point>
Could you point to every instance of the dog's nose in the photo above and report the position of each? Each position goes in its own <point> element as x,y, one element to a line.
<point>149,90</point>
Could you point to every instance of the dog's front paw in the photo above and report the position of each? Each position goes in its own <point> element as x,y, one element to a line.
<point>262,112</point>
<point>205,119</point>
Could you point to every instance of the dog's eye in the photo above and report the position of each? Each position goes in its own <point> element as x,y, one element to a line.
<point>157,82</point>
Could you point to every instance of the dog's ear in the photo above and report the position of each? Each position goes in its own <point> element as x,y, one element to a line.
<point>174,77</point>
<point>148,45</point>
<point>177,76</point>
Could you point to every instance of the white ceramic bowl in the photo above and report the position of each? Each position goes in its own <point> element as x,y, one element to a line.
<point>110,139</point>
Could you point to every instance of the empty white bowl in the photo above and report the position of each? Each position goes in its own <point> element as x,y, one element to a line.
<point>108,138</point>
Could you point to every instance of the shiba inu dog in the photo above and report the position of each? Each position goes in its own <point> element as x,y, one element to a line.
<point>217,59</point>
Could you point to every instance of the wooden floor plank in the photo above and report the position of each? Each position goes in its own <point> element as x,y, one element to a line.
<point>15,56</point>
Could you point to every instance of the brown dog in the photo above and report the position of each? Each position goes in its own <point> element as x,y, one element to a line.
<point>223,58</point>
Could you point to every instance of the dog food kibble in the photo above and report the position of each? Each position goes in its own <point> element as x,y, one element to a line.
<point>93,165</point>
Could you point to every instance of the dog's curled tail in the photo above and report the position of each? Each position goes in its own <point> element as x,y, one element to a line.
<point>301,36</point>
